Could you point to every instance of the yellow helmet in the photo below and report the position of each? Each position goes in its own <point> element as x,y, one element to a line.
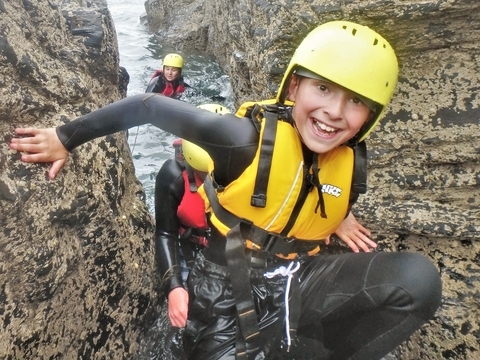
<point>193,154</point>
<point>173,60</point>
<point>352,56</point>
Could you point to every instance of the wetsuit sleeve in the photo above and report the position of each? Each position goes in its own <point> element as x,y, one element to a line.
<point>169,190</point>
<point>230,141</point>
<point>156,85</point>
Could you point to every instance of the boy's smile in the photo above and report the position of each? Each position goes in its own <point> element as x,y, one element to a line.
<point>326,115</point>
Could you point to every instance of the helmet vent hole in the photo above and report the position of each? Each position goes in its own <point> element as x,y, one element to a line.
<point>344,27</point>
<point>375,42</point>
<point>354,31</point>
<point>386,84</point>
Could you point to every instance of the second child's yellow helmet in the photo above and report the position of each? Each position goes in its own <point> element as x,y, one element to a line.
<point>352,56</point>
<point>193,154</point>
<point>173,60</point>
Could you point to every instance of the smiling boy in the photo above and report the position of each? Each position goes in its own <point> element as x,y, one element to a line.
<point>261,289</point>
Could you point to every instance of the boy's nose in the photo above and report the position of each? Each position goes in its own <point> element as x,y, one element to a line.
<point>335,107</point>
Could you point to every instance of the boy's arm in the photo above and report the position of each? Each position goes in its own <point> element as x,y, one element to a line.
<point>226,137</point>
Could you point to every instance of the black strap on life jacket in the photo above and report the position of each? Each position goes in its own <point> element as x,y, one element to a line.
<point>259,197</point>
<point>359,180</point>
<point>359,183</point>
<point>191,177</point>
<point>315,182</point>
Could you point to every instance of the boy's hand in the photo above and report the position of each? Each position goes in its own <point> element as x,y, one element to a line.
<point>42,145</point>
<point>352,233</point>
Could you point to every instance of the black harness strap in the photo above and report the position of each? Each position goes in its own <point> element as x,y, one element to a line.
<point>259,197</point>
<point>359,177</point>
<point>222,214</point>
<point>240,268</point>
<point>272,243</point>
<point>240,271</point>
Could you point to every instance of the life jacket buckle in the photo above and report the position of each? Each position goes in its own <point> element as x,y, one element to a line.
<point>259,200</point>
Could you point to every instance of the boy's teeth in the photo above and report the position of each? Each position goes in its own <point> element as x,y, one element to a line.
<point>325,127</point>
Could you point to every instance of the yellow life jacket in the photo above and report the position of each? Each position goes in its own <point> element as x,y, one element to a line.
<point>294,197</point>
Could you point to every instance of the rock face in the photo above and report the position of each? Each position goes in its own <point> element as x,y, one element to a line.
<point>424,170</point>
<point>77,268</point>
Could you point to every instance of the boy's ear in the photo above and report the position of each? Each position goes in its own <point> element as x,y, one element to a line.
<point>292,87</point>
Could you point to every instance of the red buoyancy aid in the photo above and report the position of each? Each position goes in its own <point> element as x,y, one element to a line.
<point>168,91</point>
<point>191,211</point>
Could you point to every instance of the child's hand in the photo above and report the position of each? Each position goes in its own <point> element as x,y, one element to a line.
<point>352,233</point>
<point>178,307</point>
<point>42,145</point>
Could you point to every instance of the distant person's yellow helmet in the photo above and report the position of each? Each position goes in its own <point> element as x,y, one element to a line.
<point>352,56</point>
<point>173,60</point>
<point>193,154</point>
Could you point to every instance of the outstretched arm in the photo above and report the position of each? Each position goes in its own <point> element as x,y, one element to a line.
<point>227,138</point>
<point>352,233</point>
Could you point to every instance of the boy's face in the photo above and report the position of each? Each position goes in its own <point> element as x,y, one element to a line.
<point>326,115</point>
<point>171,73</point>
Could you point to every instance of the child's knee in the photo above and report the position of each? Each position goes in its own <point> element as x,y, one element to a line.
<point>422,279</point>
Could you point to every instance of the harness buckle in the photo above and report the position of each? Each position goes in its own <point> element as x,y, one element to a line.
<point>275,244</point>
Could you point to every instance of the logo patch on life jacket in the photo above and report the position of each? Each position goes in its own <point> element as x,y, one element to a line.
<point>331,190</point>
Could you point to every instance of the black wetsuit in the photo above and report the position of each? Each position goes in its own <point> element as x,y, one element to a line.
<point>349,306</point>
<point>169,190</point>
<point>175,252</point>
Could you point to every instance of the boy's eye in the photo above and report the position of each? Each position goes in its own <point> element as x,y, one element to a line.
<point>357,101</point>
<point>322,87</point>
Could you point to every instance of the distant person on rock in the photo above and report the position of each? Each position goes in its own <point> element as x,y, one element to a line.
<point>169,80</point>
<point>284,176</point>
